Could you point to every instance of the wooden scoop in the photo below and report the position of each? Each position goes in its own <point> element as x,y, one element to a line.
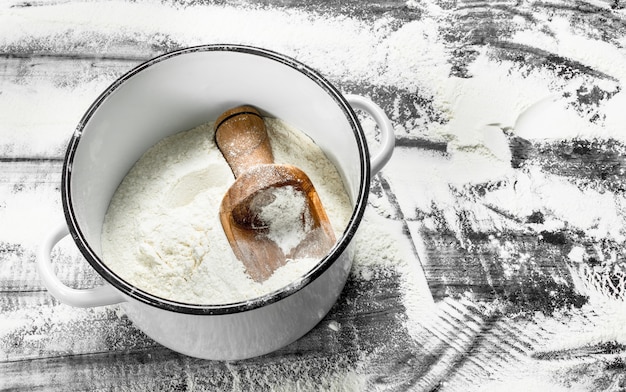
<point>241,136</point>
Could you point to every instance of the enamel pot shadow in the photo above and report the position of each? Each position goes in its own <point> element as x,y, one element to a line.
<point>178,91</point>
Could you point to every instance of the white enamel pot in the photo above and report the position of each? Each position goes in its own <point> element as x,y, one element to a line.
<point>178,91</point>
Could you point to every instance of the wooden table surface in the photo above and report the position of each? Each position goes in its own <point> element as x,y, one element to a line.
<point>479,268</point>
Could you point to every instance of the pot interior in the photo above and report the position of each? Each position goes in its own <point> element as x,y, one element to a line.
<point>183,89</point>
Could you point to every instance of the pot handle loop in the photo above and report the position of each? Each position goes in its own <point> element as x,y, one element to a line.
<point>388,140</point>
<point>82,298</point>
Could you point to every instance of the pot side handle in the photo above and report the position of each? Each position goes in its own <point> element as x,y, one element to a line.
<point>82,298</point>
<point>388,139</point>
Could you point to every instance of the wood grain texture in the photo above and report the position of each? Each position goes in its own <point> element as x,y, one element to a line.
<point>508,297</point>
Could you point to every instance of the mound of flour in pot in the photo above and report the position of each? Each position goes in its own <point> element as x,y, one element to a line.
<point>162,231</point>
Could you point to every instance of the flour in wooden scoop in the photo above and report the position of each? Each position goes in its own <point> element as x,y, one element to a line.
<point>162,232</point>
<point>286,216</point>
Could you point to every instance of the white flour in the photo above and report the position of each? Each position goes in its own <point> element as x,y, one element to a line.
<point>284,216</point>
<point>413,57</point>
<point>162,231</point>
<point>480,109</point>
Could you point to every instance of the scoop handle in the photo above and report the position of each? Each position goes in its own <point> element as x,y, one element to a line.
<point>241,136</point>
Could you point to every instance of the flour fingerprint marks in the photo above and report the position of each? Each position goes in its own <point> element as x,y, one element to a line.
<point>583,348</point>
<point>476,343</point>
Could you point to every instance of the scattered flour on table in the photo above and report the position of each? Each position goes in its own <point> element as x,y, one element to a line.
<point>502,98</point>
<point>162,231</point>
<point>414,57</point>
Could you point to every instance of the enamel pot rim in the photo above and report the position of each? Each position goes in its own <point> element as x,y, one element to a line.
<point>128,289</point>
